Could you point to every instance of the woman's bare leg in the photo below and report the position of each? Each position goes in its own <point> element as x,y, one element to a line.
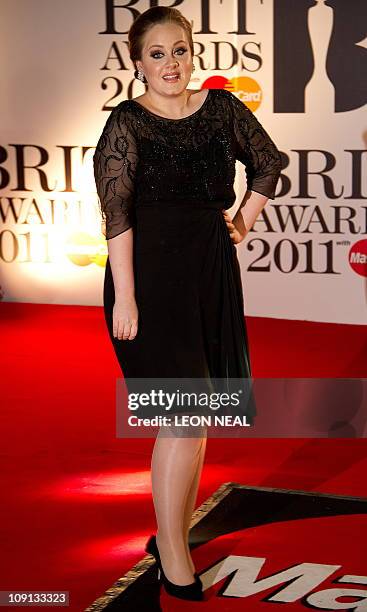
<point>174,466</point>
<point>191,500</point>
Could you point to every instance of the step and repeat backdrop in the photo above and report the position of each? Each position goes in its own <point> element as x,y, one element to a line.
<point>299,65</point>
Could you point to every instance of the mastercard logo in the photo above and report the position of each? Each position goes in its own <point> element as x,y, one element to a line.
<point>245,88</point>
<point>83,249</point>
<point>358,257</point>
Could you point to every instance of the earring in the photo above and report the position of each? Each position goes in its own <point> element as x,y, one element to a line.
<point>140,76</point>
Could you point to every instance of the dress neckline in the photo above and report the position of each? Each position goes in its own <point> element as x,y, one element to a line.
<point>169,118</point>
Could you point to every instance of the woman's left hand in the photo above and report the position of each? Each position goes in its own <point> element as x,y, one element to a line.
<point>234,233</point>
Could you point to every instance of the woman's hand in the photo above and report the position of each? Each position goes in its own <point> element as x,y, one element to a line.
<point>234,232</point>
<point>125,318</point>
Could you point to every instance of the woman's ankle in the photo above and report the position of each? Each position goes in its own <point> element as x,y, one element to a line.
<point>188,553</point>
<point>185,562</point>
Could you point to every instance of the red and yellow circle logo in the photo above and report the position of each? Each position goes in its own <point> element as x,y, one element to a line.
<point>245,88</point>
<point>83,249</point>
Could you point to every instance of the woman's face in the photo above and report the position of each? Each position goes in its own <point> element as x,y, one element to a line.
<point>166,49</point>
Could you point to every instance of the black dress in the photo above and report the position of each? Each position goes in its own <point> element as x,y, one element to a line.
<point>169,179</point>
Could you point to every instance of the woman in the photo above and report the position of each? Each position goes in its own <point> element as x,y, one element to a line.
<point>164,169</point>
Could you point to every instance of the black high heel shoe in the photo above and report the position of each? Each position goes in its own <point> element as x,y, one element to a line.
<point>152,548</point>
<point>192,591</point>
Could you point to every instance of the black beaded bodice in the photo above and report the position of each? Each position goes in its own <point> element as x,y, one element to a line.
<point>141,157</point>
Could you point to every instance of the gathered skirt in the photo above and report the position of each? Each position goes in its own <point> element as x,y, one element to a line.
<point>189,296</point>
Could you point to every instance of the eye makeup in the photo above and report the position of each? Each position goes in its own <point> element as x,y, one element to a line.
<point>179,49</point>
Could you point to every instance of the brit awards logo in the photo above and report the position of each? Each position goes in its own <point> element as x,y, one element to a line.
<point>320,55</point>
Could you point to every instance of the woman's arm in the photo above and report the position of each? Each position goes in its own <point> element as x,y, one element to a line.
<point>115,162</point>
<point>262,159</point>
<point>125,311</point>
<point>120,252</point>
<point>249,210</point>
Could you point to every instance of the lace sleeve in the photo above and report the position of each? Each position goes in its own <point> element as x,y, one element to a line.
<point>255,149</point>
<point>114,163</point>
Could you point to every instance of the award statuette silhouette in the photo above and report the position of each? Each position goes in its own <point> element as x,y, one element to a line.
<point>319,92</point>
<point>307,36</point>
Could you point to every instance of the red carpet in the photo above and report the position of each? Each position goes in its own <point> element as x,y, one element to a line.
<point>76,507</point>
